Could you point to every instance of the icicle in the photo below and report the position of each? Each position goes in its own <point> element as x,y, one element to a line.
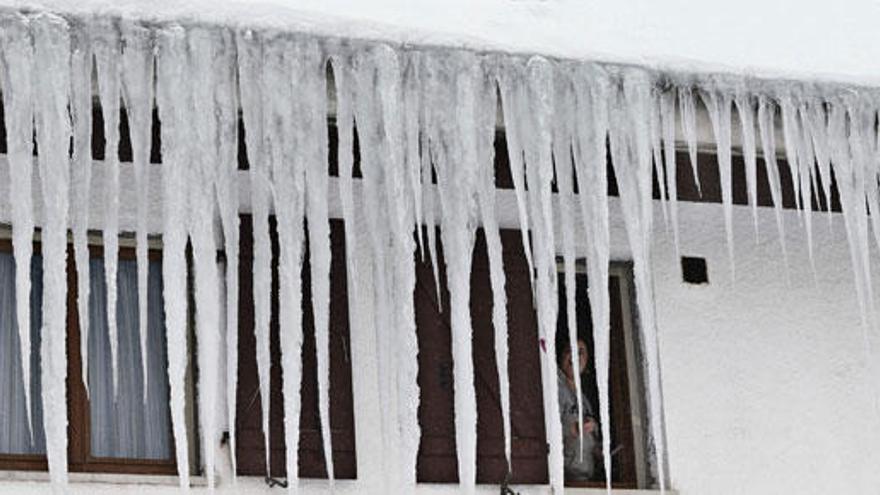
<point>429,202</point>
<point>107,57</point>
<point>402,268</point>
<point>631,154</point>
<point>203,45</point>
<point>591,166</point>
<point>451,93</point>
<point>80,178</point>
<point>18,87</point>
<point>863,134</point>
<point>137,72</point>
<point>815,123</point>
<point>226,97</point>
<point>562,154</point>
<point>511,83</point>
<point>391,247</point>
<point>52,61</point>
<point>310,83</point>
<point>689,129</point>
<point>747,121</point>
<point>285,140</point>
<point>657,149</point>
<point>176,139</point>
<point>847,159</point>
<point>412,111</point>
<point>766,126</point>
<point>718,105</point>
<point>536,105</point>
<point>799,164</point>
<point>342,76</point>
<point>251,85</point>
<point>667,124</point>
<point>367,116</point>
<point>485,130</point>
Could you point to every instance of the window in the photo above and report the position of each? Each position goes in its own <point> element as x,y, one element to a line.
<point>250,450</point>
<point>625,408</point>
<point>437,456</point>
<point>124,434</point>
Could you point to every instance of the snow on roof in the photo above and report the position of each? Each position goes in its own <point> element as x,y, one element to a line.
<point>805,40</point>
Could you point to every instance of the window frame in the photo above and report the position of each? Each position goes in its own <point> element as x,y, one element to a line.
<point>80,458</point>
<point>627,387</point>
<point>629,379</point>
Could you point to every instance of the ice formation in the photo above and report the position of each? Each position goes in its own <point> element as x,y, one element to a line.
<point>137,91</point>
<point>170,66</point>
<point>106,45</point>
<point>18,102</point>
<point>420,114</point>
<point>53,126</point>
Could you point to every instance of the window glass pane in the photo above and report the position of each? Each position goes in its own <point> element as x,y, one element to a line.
<point>15,436</point>
<point>131,426</point>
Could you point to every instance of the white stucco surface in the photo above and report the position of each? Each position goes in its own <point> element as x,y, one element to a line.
<point>766,385</point>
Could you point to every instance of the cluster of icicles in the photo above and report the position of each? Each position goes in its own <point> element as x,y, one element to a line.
<point>418,113</point>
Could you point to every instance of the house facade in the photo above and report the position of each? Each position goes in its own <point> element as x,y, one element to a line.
<point>236,240</point>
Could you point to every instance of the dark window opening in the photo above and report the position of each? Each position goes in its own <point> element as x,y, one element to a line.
<point>591,472</point>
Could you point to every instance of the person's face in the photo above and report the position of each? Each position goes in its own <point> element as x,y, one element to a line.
<point>582,359</point>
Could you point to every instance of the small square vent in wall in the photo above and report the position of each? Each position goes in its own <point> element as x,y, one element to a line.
<point>694,270</point>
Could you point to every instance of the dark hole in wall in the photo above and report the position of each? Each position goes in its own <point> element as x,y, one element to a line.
<point>694,270</point>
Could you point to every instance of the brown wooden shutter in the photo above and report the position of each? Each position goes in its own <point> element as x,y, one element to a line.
<point>250,448</point>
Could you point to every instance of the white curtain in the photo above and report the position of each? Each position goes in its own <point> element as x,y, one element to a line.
<point>14,436</point>
<point>128,427</point>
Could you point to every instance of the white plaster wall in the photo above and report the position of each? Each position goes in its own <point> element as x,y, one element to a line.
<point>766,385</point>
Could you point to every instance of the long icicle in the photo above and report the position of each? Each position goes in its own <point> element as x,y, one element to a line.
<point>562,158</point>
<point>766,127</point>
<point>747,122</point>
<point>251,87</point>
<point>799,163</point>
<point>718,105</point>
<point>171,45</point>
<point>667,124</point>
<point>137,74</point>
<point>226,96</point>
<point>285,138</point>
<point>391,85</point>
<point>591,167</point>
<point>511,83</point>
<point>488,214</point>
<point>451,93</point>
<point>53,126</point>
<point>80,182</point>
<point>18,86</point>
<point>202,176</point>
<point>631,155</point>
<point>537,107</point>
<point>107,57</point>
<point>310,71</point>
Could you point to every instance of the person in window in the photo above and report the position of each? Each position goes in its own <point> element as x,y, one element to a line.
<point>580,461</point>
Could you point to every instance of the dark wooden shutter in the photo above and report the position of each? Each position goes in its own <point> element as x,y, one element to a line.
<point>250,448</point>
<point>437,460</point>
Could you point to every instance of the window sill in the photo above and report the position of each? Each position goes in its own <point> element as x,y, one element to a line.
<point>105,478</point>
